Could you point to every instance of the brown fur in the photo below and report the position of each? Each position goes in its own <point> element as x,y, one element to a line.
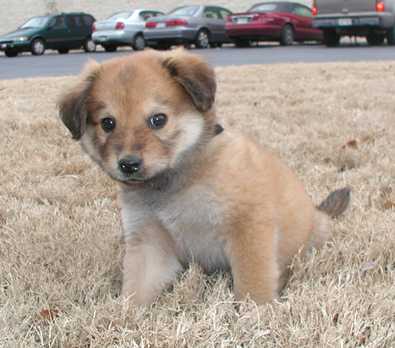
<point>215,198</point>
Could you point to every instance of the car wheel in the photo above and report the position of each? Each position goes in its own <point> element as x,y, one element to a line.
<point>287,36</point>
<point>89,46</point>
<point>11,53</point>
<point>138,42</point>
<point>63,50</point>
<point>331,38</point>
<point>38,47</point>
<point>375,39</point>
<point>242,43</point>
<point>110,48</point>
<point>202,39</point>
<point>391,36</point>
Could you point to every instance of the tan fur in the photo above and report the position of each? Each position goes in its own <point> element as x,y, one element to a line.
<point>221,201</point>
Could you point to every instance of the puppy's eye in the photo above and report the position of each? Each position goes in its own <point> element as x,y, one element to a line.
<point>157,121</point>
<point>108,124</point>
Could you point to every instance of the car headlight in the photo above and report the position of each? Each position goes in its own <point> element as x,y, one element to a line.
<point>22,38</point>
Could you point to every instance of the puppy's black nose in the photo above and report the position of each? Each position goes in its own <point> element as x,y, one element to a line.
<point>130,165</point>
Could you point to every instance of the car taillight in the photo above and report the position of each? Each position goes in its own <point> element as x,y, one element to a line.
<point>93,27</point>
<point>314,9</point>
<point>119,26</point>
<point>380,6</point>
<point>176,23</point>
<point>151,25</point>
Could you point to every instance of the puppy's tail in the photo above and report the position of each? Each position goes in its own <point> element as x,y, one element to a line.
<point>336,203</point>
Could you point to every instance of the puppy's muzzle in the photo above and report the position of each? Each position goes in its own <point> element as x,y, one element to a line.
<point>130,165</point>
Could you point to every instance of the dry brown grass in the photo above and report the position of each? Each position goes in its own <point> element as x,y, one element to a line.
<point>59,226</point>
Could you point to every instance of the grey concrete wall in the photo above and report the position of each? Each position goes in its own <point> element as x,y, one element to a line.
<point>15,12</point>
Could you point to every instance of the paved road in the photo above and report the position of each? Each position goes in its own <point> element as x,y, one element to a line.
<point>53,64</point>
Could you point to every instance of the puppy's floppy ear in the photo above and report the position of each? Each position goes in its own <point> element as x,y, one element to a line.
<point>72,106</point>
<point>194,75</point>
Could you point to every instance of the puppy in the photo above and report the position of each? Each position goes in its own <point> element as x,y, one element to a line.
<point>188,191</point>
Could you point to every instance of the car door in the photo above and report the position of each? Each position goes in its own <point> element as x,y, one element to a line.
<point>56,32</point>
<point>213,22</point>
<point>304,19</point>
<point>223,14</point>
<point>76,34</point>
<point>87,22</point>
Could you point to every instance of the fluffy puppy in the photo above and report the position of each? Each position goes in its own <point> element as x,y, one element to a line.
<point>188,191</point>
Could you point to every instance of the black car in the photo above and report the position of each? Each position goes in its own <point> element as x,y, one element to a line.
<point>61,32</point>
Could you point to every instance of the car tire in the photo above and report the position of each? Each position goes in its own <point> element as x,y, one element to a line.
<point>38,47</point>
<point>63,50</point>
<point>240,43</point>
<point>374,39</point>
<point>138,42</point>
<point>89,46</point>
<point>202,40</point>
<point>10,53</point>
<point>110,48</point>
<point>391,36</point>
<point>331,38</point>
<point>287,35</point>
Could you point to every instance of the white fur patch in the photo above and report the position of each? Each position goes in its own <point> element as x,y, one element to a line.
<point>191,128</point>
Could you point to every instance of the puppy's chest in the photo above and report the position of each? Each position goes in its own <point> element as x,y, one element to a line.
<point>195,220</point>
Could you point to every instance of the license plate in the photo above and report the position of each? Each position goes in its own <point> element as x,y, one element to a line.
<point>345,21</point>
<point>161,25</point>
<point>242,20</point>
<point>102,38</point>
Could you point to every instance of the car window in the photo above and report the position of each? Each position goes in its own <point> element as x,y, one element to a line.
<point>145,15</point>
<point>120,15</point>
<point>302,11</point>
<point>74,22</point>
<point>36,22</point>
<point>268,7</point>
<point>185,11</point>
<point>211,12</point>
<point>57,22</point>
<point>223,12</point>
<point>88,20</point>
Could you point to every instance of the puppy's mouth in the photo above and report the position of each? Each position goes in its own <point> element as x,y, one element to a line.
<point>133,181</point>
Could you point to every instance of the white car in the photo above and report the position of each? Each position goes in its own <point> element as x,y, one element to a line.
<point>123,29</point>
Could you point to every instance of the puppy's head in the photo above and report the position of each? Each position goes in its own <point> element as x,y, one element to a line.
<point>142,115</point>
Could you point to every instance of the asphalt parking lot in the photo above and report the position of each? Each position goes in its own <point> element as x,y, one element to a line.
<point>53,64</point>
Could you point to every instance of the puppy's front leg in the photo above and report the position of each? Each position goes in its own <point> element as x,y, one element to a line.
<point>252,254</point>
<point>150,264</point>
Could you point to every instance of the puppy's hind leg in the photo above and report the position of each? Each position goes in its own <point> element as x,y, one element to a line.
<point>253,258</point>
<point>150,265</point>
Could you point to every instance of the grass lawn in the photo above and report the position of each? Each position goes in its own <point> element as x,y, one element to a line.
<point>334,124</point>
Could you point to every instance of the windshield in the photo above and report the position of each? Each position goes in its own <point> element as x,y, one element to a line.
<point>36,22</point>
<point>185,11</point>
<point>120,15</point>
<point>269,7</point>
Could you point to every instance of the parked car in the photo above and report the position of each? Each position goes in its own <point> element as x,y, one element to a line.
<point>285,22</point>
<point>123,29</point>
<point>373,19</point>
<point>199,25</point>
<point>61,32</point>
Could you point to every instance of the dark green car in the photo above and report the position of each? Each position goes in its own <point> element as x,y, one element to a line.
<point>61,32</point>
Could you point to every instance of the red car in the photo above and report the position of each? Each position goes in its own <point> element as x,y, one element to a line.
<point>285,22</point>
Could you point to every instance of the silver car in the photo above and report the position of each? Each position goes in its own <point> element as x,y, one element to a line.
<point>123,29</point>
<point>199,25</point>
<point>373,19</point>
